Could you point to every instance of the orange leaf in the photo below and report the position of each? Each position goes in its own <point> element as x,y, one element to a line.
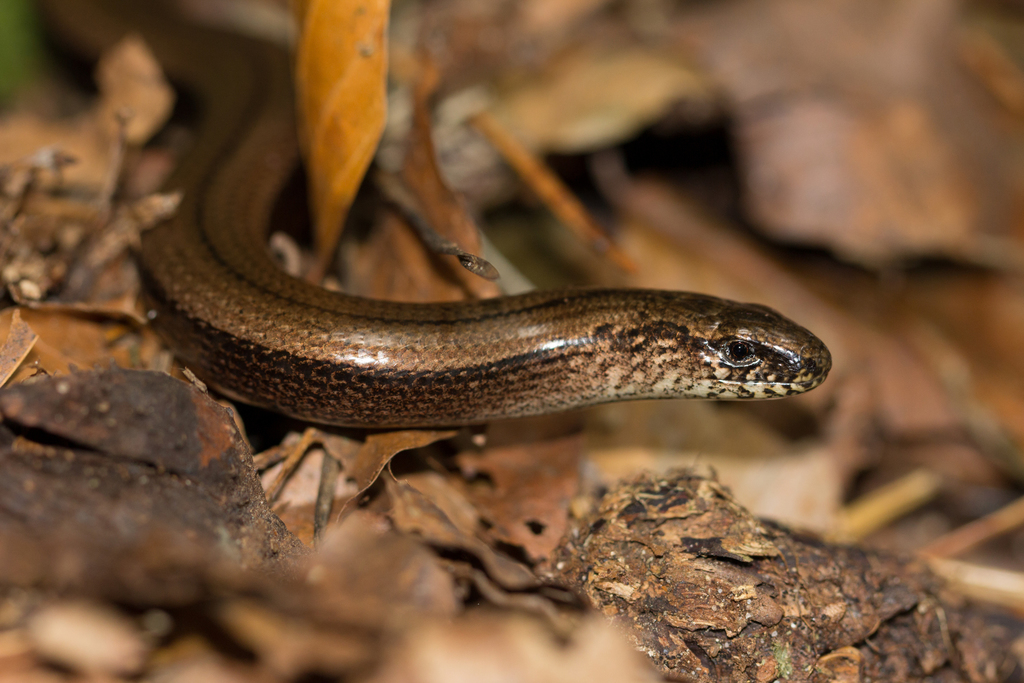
<point>340,82</point>
<point>20,341</point>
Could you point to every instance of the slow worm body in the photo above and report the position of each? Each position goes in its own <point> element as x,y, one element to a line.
<point>271,340</point>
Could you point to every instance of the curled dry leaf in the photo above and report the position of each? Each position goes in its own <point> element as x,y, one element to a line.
<point>294,471</point>
<point>340,81</point>
<point>20,340</point>
<point>378,450</point>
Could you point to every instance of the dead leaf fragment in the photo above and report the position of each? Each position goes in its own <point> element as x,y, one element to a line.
<point>593,98</point>
<point>89,638</point>
<point>387,575</point>
<point>551,190</point>
<point>866,184</point>
<point>68,339</point>
<point>20,341</point>
<point>493,647</point>
<point>290,646</point>
<point>857,129</point>
<point>133,86</point>
<point>414,512</point>
<point>444,211</point>
<point>340,81</point>
<point>132,89</point>
<point>378,450</point>
<point>533,483</point>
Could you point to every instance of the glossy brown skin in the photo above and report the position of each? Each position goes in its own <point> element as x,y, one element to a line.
<point>274,341</point>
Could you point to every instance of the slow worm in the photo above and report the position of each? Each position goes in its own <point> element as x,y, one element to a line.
<point>270,340</point>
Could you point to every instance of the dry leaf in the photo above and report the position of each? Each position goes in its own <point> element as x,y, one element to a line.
<point>912,400</point>
<point>378,449</point>
<point>505,648</point>
<point>595,97</point>
<point>394,265</point>
<point>872,186</point>
<point>66,340</point>
<point>131,83</point>
<point>857,130</point>
<point>388,572</point>
<point>133,86</point>
<point>559,199</point>
<point>340,82</point>
<point>414,512</point>
<point>304,487</point>
<point>20,340</point>
<point>295,455</point>
<point>87,637</point>
<point>527,503</point>
<point>446,495</point>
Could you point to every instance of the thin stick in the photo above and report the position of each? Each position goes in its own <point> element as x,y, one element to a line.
<point>968,536</point>
<point>551,190</point>
<point>291,463</point>
<point>329,472</point>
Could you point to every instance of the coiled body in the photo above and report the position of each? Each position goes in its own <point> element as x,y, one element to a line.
<point>271,340</point>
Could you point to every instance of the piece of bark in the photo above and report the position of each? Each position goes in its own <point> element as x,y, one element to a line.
<point>129,485</point>
<point>710,593</point>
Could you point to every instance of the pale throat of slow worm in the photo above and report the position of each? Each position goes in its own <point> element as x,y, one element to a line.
<point>274,341</point>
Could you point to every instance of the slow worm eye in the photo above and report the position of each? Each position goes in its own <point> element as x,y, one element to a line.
<point>739,352</point>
